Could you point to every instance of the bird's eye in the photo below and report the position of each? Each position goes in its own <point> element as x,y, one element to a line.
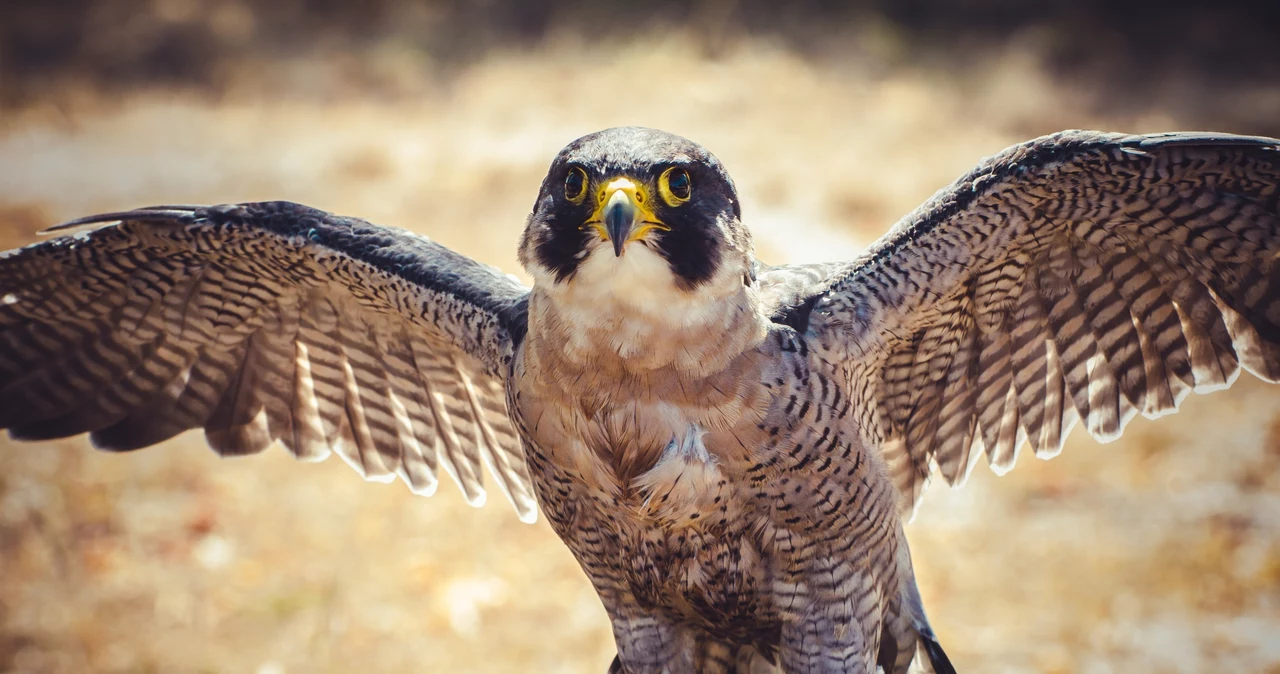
<point>674,186</point>
<point>575,185</point>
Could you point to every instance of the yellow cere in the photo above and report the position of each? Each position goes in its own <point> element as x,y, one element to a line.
<point>636,192</point>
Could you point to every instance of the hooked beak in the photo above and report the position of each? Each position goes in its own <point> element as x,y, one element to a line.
<point>620,214</point>
<point>623,215</point>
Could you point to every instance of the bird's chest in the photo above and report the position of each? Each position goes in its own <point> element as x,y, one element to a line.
<point>641,481</point>
<point>658,463</point>
<point>654,444</point>
<point>642,496</point>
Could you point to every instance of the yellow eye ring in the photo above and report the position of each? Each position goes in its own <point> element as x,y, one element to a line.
<point>575,185</point>
<point>675,186</point>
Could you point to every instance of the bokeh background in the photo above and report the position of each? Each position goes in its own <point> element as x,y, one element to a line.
<point>1158,553</point>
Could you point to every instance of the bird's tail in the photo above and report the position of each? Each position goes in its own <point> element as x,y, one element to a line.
<point>928,654</point>
<point>937,660</point>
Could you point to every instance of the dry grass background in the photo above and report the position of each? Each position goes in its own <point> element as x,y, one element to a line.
<point>1158,553</point>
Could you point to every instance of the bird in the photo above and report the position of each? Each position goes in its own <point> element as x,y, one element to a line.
<point>730,449</point>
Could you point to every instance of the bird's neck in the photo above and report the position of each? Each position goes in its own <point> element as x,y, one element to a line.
<point>637,323</point>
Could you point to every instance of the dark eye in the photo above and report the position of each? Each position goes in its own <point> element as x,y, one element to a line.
<point>575,185</point>
<point>675,187</point>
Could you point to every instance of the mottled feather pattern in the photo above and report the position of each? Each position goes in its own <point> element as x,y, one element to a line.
<point>1081,276</point>
<point>731,467</point>
<point>264,322</point>
<point>788,292</point>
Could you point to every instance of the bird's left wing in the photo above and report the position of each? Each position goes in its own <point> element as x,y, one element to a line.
<point>263,322</point>
<point>1079,276</point>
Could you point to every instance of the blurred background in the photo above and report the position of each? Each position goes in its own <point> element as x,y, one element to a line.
<point>1158,553</point>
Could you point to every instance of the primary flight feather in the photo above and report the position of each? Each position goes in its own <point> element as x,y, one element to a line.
<point>728,448</point>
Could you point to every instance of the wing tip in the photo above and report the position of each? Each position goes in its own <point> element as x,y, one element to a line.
<point>381,478</point>
<point>1209,138</point>
<point>476,497</point>
<point>1000,468</point>
<point>527,512</point>
<point>146,213</point>
<point>421,486</point>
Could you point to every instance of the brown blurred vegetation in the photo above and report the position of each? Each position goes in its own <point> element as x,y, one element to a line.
<point>1158,553</point>
<point>1140,49</point>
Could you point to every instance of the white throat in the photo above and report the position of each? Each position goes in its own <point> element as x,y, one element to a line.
<point>630,309</point>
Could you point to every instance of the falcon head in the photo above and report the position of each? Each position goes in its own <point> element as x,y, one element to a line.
<point>631,205</point>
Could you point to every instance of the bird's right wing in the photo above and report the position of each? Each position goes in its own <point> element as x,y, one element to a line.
<point>263,322</point>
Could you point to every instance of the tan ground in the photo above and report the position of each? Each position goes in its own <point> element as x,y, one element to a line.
<point>1159,553</point>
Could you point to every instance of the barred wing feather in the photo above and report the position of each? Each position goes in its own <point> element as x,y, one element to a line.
<point>1080,277</point>
<point>264,322</point>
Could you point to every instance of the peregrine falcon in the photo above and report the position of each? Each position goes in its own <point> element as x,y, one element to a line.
<point>728,448</point>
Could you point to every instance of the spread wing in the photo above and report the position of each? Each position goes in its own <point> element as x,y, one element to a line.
<point>1077,277</point>
<point>263,322</point>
